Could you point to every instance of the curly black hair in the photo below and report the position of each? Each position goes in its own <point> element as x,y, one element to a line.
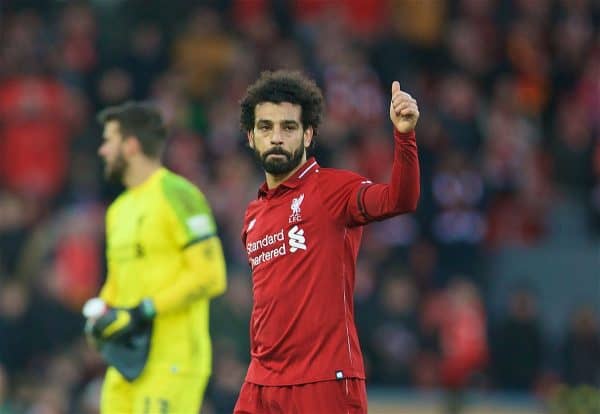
<point>283,86</point>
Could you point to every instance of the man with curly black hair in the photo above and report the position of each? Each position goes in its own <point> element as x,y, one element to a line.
<point>302,236</point>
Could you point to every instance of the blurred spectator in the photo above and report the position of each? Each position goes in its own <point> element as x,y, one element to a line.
<point>204,53</point>
<point>63,255</point>
<point>16,216</point>
<point>459,224</point>
<point>146,58</point>
<point>582,349</point>
<point>573,149</point>
<point>15,325</point>
<point>114,85</point>
<point>518,347</point>
<point>423,262</point>
<point>230,318</point>
<point>35,117</point>
<point>458,315</point>
<point>77,37</point>
<point>393,337</point>
<point>6,405</point>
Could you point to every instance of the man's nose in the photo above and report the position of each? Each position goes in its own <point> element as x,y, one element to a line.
<point>277,136</point>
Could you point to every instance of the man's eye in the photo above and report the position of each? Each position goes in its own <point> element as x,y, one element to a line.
<point>263,127</point>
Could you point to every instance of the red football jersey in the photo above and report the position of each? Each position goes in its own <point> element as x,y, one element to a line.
<point>302,240</point>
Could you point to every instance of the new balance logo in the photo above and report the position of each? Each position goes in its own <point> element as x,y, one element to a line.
<point>297,239</point>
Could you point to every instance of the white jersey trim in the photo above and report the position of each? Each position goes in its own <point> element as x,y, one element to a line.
<point>345,309</point>
<point>307,169</point>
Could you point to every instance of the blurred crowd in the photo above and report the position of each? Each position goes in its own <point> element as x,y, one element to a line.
<point>509,95</point>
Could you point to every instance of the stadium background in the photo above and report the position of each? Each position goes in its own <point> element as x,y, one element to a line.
<point>507,228</point>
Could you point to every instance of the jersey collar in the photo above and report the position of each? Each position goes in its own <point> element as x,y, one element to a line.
<point>309,167</point>
<point>155,176</point>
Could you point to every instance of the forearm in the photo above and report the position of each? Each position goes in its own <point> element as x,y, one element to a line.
<point>203,276</point>
<point>401,195</point>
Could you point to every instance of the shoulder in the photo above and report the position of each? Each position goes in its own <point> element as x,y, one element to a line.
<point>171,183</point>
<point>253,204</point>
<point>336,178</point>
<point>179,190</point>
<point>251,209</point>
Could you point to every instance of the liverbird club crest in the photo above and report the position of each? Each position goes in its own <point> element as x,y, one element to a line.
<point>295,206</point>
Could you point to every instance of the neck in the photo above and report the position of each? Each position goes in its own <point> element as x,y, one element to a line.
<point>273,180</point>
<point>139,170</point>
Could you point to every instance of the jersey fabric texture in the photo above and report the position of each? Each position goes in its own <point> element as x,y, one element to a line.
<point>148,228</point>
<point>302,240</point>
<point>347,396</point>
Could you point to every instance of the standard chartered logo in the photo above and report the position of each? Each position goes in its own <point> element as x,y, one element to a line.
<point>297,240</point>
<point>273,245</point>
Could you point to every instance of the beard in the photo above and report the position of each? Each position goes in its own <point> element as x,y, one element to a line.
<point>280,165</point>
<point>115,171</point>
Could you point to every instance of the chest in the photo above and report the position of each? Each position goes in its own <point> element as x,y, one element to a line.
<point>279,226</point>
<point>136,227</point>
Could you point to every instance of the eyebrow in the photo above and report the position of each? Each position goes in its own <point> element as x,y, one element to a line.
<point>283,122</point>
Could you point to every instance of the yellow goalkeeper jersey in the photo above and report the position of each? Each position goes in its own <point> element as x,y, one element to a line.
<point>162,244</point>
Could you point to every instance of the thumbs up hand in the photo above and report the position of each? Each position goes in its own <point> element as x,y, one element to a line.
<point>404,111</point>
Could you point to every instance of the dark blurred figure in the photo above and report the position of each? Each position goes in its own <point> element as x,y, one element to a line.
<point>582,349</point>
<point>393,338</point>
<point>146,58</point>
<point>229,324</point>
<point>6,406</point>
<point>518,344</point>
<point>15,325</point>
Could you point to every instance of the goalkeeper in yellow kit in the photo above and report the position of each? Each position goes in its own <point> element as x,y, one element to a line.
<point>165,262</point>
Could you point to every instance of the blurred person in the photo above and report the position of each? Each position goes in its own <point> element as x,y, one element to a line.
<point>6,403</point>
<point>78,42</point>
<point>459,108</point>
<point>114,85</point>
<point>581,350</point>
<point>37,121</point>
<point>62,259</point>
<point>15,326</point>
<point>17,215</point>
<point>394,332</point>
<point>518,344</point>
<point>458,225</point>
<point>146,57</point>
<point>204,52</point>
<point>424,265</point>
<point>230,317</point>
<point>302,236</point>
<point>458,316</point>
<point>572,146</point>
<point>165,263</point>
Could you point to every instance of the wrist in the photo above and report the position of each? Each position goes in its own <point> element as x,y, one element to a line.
<point>404,135</point>
<point>146,309</point>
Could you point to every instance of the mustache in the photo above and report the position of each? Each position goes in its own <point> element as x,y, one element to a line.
<point>276,151</point>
